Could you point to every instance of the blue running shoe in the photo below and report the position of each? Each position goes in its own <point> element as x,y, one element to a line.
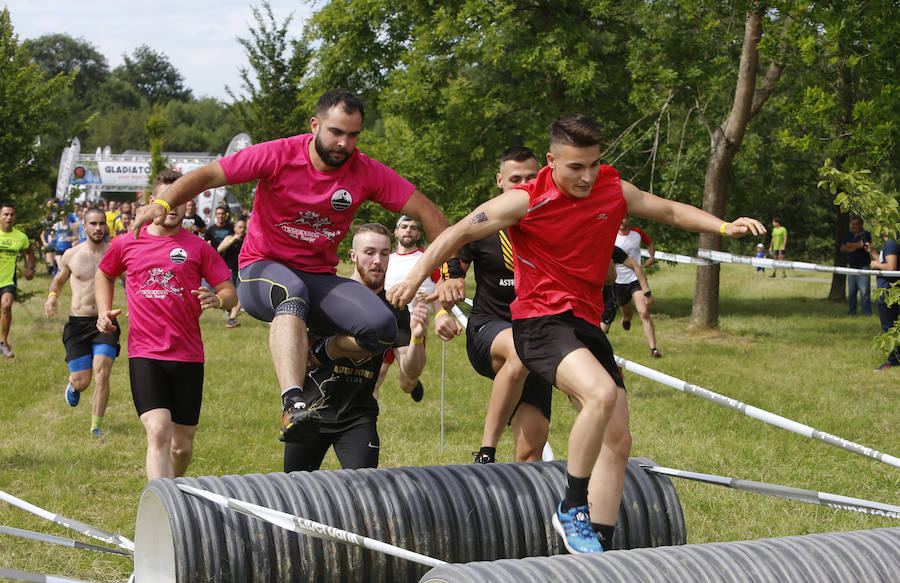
<point>887,365</point>
<point>576,530</point>
<point>72,396</point>
<point>98,433</point>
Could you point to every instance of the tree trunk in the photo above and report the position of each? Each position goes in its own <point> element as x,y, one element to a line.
<point>837,293</point>
<point>726,140</point>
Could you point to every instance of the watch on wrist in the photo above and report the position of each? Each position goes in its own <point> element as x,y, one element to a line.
<point>648,293</point>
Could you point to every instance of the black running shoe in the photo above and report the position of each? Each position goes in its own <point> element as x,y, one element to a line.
<point>482,458</point>
<point>418,392</point>
<point>626,324</point>
<point>299,421</point>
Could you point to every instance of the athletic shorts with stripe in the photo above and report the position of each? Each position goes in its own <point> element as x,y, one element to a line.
<point>479,338</point>
<point>328,303</point>
<point>83,342</point>
<point>543,342</point>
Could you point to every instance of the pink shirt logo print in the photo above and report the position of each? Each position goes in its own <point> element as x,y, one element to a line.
<point>320,227</point>
<point>160,283</point>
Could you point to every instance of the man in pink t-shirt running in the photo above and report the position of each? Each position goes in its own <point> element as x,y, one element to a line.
<point>165,351</point>
<point>309,188</point>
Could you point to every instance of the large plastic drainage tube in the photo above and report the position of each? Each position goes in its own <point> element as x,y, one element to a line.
<point>459,514</point>
<point>862,556</point>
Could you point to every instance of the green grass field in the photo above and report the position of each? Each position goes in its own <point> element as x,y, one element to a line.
<point>781,347</point>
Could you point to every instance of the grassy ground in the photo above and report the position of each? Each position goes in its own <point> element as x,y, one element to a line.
<point>781,348</point>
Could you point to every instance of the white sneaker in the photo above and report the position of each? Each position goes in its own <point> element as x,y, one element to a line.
<point>6,351</point>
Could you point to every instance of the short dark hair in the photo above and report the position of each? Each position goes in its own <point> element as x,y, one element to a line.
<point>372,228</point>
<point>517,153</point>
<point>3,205</point>
<point>348,101</point>
<point>575,130</point>
<point>94,210</point>
<point>856,218</point>
<point>777,220</point>
<point>166,177</point>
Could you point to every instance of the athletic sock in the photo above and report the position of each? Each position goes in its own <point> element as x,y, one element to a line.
<point>95,422</point>
<point>604,534</point>
<point>488,452</point>
<point>291,395</point>
<point>319,351</point>
<point>576,492</point>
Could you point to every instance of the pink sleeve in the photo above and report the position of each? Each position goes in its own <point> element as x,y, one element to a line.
<point>215,271</point>
<point>645,238</point>
<point>390,190</point>
<point>257,161</point>
<point>111,264</point>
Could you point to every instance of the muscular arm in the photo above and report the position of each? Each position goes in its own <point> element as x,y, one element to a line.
<point>639,272</point>
<point>687,217</point>
<point>181,191</point>
<point>104,286</point>
<point>651,249</point>
<point>495,214</point>
<point>57,283</point>
<point>227,242</point>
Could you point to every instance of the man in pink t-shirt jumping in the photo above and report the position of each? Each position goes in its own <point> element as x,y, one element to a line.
<point>309,188</point>
<point>559,303</point>
<point>163,272</point>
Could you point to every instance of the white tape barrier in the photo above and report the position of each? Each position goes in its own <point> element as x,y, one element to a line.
<point>58,540</point>
<point>310,527</point>
<point>85,529</point>
<point>674,257</point>
<point>14,575</point>
<point>798,494</point>
<point>759,414</point>
<point>710,257</point>
<point>722,257</point>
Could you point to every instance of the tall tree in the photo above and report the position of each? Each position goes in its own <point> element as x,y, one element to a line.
<point>27,113</point>
<point>61,53</point>
<point>273,79</point>
<point>725,143</point>
<point>154,76</point>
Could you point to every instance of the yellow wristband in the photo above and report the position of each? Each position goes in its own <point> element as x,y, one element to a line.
<point>415,340</point>
<point>163,204</point>
<point>441,312</point>
<point>221,303</point>
<point>51,294</point>
<point>723,227</point>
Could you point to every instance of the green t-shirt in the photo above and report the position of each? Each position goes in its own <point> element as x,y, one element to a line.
<point>10,245</point>
<point>779,234</point>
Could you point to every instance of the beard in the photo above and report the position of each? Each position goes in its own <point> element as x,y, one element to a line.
<point>372,280</point>
<point>334,158</point>
<point>98,237</point>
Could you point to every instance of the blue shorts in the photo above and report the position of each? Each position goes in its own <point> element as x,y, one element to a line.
<point>83,342</point>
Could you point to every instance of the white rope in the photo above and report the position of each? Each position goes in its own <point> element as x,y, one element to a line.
<point>310,527</point>
<point>85,529</point>
<point>58,540</point>
<point>759,414</point>
<point>709,257</point>
<point>798,494</point>
<point>14,575</point>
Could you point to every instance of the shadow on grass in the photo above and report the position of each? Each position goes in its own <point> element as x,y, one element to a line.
<point>680,307</point>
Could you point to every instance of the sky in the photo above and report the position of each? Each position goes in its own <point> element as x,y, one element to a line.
<point>198,36</point>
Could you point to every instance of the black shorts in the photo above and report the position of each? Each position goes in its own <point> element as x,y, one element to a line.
<point>356,447</point>
<point>167,384</point>
<point>479,338</point>
<point>623,291</point>
<point>543,342</point>
<point>327,302</point>
<point>9,289</point>
<point>80,334</point>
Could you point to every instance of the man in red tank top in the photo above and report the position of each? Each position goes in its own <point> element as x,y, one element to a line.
<point>563,227</point>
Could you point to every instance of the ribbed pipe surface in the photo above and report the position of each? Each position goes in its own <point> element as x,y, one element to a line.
<point>862,556</point>
<point>458,514</point>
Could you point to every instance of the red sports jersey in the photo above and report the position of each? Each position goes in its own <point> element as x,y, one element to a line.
<point>563,246</point>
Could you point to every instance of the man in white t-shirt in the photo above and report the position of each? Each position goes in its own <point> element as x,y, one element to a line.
<point>409,236</point>
<point>629,295</point>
